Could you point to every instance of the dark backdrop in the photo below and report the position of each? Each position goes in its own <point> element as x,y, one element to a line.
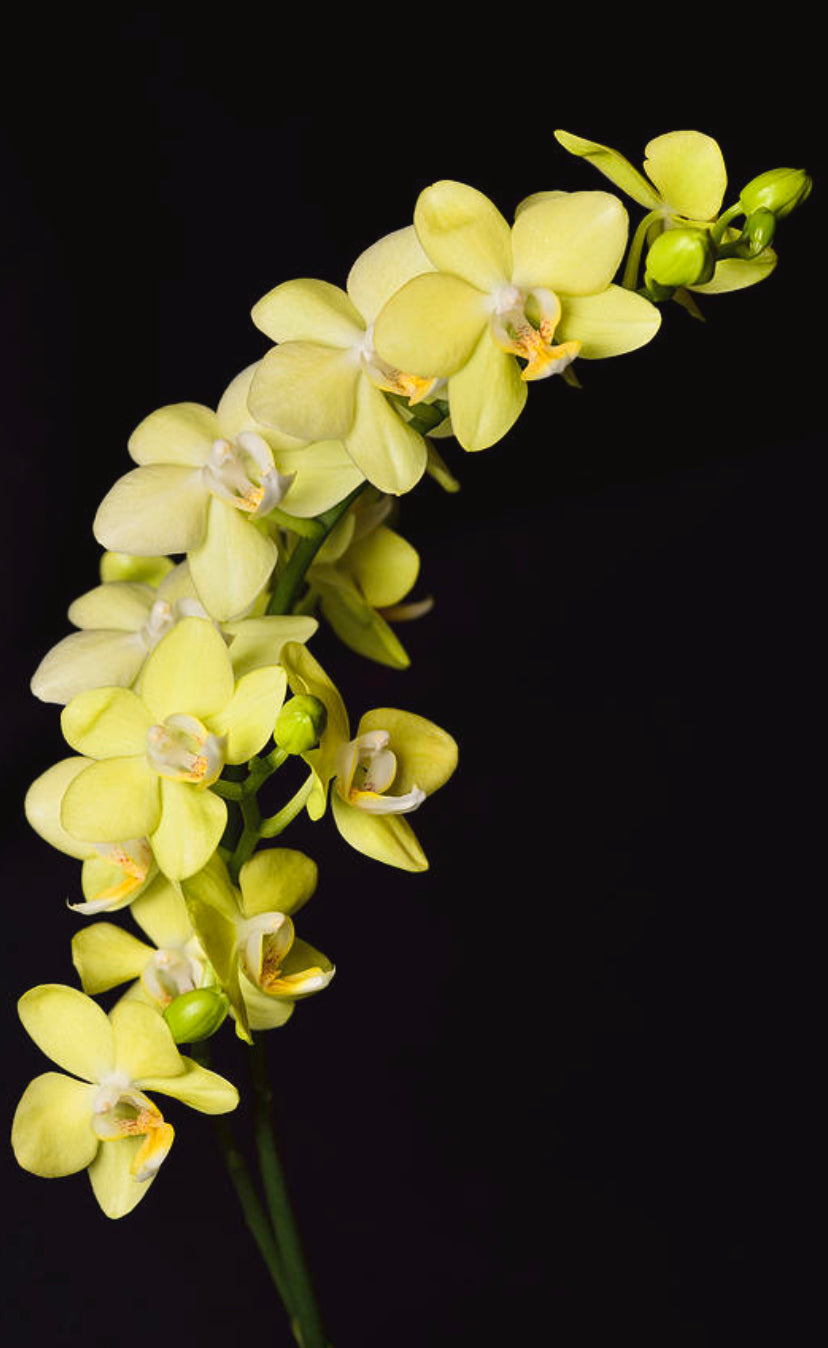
<point>560,1090</point>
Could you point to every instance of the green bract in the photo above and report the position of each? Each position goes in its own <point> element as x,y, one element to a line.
<point>393,749</point>
<point>325,381</point>
<point>64,1124</point>
<point>248,934</point>
<point>540,291</point>
<point>158,753</point>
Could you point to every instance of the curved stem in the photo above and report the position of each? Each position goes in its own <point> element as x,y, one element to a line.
<point>630,277</point>
<point>272,827</point>
<point>302,1297</point>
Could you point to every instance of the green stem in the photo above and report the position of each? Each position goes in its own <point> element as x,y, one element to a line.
<point>251,833</point>
<point>272,827</point>
<point>630,277</point>
<point>718,230</point>
<point>289,582</point>
<point>302,1297</point>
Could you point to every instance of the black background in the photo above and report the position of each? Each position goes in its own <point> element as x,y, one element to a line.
<point>560,1090</point>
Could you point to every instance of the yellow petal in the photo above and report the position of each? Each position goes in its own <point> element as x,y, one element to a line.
<point>736,273</point>
<point>309,311</point>
<point>383,268</point>
<point>234,415</point>
<point>113,1183</point>
<point>105,955</point>
<point>70,1029</point>
<point>307,390</point>
<point>112,800</point>
<point>571,244</point>
<point>388,838</point>
<point>356,623</point>
<point>144,1046</point>
<point>160,508</point>
<point>487,396</point>
<point>197,1087</point>
<point>688,169</point>
<point>258,641</point>
<point>43,802</point>
<point>249,717</point>
<point>384,566</point>
<point>87,660</point>
<point>179,433</point>
<point>431,326</point>
<point>106,722</point>
<point>325,474</point>
<point>162,913</point>
<point>119,604</point>
<point>464,233</point>
<point>189,671</point>
<point>608,324</point>
<point>263,1012</point>
<point>189,831</point>
<point>52,1131</point>
<point>426,754</point>
<point>277,879</point>
<point>390,454</point>
<point>233,564</point>
<point>614,166</point>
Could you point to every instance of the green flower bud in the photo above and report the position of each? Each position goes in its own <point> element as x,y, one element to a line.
<point>300,724</point>
<point>778,190</point>
<point>760,227</point>
<point>681,257</point>
<point>196,1015</point>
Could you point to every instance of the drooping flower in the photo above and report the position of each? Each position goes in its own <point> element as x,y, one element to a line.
<point>249,936</point>
<point>685,184</point>
<point>157,754</point>
<point>392,749</point>
<point>325,380</point>
<point>539,292</point>
<point>65,1124</point>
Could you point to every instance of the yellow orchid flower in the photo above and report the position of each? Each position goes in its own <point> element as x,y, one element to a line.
<point>249,936</point>
<point>106,956</point>
<point>684,184</point>
<point>114,873</point>
<point>156,755</point>
<point>65,1124</point>
<point>121,622</point>
<point>540,292</point>
<point>203,480</point>
<point>325,381</point>
<point>392,748</point>
<point>362,573</point>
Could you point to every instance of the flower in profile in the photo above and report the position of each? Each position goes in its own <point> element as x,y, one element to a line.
<point>325,380</point>
<point>684,184</point>
<point>68,1123</point>
<point>395,761</point>
<point>539,293</point>
<point>249,936</point>
<point>156,755</point>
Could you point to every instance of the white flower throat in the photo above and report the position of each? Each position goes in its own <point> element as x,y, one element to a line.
<point>184,750</point>
<point>523,322</point>
<point>243,474</point>
<point>366,767</point>
<point>388,378</point>
<point>119,1111</point>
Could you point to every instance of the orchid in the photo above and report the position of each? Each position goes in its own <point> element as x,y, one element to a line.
<point>67,1123</point>
<point>325,381</point>
<point>156,755</point>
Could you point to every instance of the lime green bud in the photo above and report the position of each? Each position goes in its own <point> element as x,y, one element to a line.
<point>300,724</point>
<point>778,190</point>
<point>681,257</point>
<point>760,228</point>
<point>196,1015</point>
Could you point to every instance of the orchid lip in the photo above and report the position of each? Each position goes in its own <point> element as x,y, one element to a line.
<point>243,474</point>
<point>184,750</point>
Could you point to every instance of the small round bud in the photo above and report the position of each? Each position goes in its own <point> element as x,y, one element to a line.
<point>778,190</point>
<point>300,724</point>
<point>760,228</point>
<point>681,257</point>
<point>196,1015</point>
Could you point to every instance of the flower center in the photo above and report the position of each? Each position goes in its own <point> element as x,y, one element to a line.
<point>119,1110</point>
<point>244,474</point>
<point>264,942</point>
<point>171,972</point>
<point>366,767</point>
<point>523,323</point>
<point>163,616</point>
<point>389,378</point>
<point>184,750</point>
<point>133,858</point>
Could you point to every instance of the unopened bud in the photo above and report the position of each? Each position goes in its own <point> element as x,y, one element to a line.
<point>196,1015</point>
<point>778,190</point>
<point>760,227</point>
<point>681,257</point>
<point>300,724</point>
